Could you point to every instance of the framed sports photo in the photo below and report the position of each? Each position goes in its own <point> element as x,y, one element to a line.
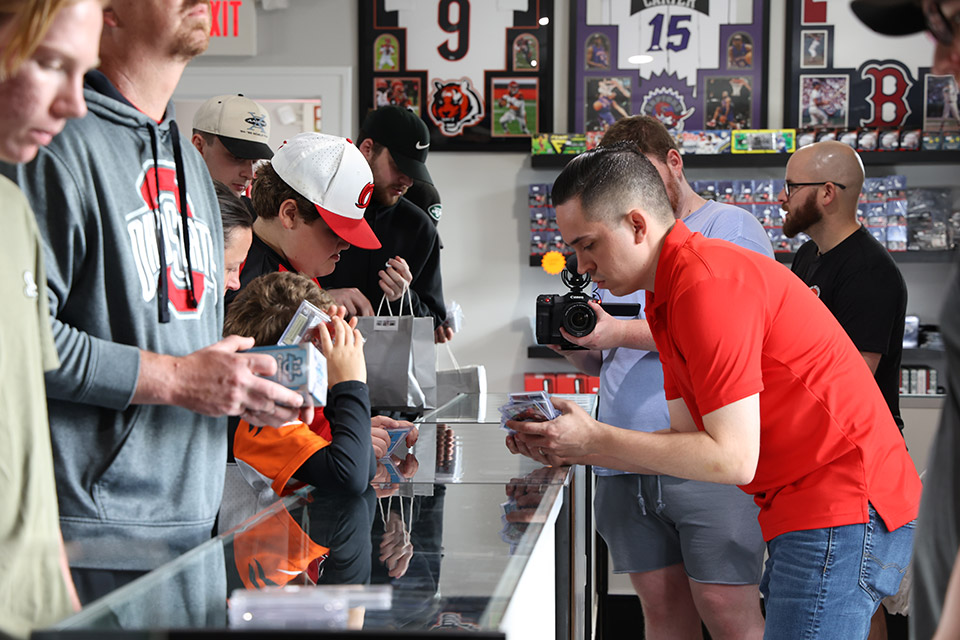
<point>728,102</point>
<point>676,61</point>
<point>880,82</point>
<point>940,104</point>
<point>479,74</point>
<point>516,109</point>
<point>813,48</point>
<point>824,100</point>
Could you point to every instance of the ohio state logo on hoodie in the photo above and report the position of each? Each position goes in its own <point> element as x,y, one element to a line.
<point>142,229</point>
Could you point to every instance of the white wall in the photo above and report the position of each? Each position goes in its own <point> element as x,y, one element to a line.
<point>485,224</point>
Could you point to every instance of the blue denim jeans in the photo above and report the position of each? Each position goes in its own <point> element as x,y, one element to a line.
<point>827,583</point>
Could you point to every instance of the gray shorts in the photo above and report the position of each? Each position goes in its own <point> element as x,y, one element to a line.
<point>653,522</point>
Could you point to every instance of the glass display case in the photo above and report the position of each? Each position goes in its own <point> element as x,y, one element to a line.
<point>457,535</point>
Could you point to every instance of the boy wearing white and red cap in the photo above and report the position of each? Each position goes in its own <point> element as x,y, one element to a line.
<point>310,200</point>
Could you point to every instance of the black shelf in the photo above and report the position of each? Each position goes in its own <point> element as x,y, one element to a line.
<point>898,256</point>
<point>742,160</point>
<point>540,351</point>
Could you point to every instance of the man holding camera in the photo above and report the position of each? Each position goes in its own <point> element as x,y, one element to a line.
<point>693,550</point>
<point>764,390</point>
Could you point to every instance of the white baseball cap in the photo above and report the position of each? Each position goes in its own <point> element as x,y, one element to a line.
<point>330,172</point>
<point>241,124</point>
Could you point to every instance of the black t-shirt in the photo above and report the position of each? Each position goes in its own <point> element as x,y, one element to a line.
<point>404,230</point>
<point>862,287</point>
<point>261,260</point>
<point>425,195</point>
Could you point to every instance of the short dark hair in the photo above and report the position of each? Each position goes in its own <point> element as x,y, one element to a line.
<point>609,180</point>
<point>233,211</point>
<point>648,133</point>
<point>264,308</point>
<point>207,137</point>
<point>377,147</point>
<point>269,191</point>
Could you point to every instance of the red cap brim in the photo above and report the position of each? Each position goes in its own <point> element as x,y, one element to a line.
<point>357,232</point>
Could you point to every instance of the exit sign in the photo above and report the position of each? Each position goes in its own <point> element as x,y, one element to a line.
<point>233,28</point>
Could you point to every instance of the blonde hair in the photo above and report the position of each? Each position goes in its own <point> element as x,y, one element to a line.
<point>31,19</point>
<point>264,308</point>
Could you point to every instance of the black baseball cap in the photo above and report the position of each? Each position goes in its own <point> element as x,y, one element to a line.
<point>891,17</point>
<point>405,135</point>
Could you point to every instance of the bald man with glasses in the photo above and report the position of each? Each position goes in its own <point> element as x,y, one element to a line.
<point>851,273</point>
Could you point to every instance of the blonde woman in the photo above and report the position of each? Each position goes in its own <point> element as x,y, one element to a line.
<point>45,48</point>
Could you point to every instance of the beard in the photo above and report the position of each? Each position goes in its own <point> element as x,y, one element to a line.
<point>801,217</point>
<point>193,37</point>
<point>383,196</point>
<point>673,194</point>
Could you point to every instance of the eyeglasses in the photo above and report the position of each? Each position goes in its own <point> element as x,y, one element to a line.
<point>790,187</point>
<point>942,28</point>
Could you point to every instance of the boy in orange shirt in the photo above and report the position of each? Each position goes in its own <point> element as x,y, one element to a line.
<point>336,449</point>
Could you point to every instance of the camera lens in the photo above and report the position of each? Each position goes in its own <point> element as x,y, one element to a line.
<point>579,319</point>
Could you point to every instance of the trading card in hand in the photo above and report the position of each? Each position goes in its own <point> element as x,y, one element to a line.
<point>298,329</point>
<point>528,396</point>
<point>397,436</point>
<point>533,406</point>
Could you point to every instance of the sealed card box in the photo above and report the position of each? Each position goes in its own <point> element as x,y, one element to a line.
<point>301,368</point>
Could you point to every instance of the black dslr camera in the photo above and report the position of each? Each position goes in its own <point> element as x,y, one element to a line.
<point>571,310</point>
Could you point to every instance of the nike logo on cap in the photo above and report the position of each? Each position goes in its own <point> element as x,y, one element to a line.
<point>422,146</point>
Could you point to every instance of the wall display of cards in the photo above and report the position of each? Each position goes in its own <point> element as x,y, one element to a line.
<point>854,83</point>
<point>705,63</point>
<point>479,74</point>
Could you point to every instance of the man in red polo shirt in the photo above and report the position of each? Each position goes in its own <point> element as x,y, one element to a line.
<point>764,389</point>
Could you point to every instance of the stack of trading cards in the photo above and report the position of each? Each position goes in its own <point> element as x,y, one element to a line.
<point>529,406</point>
<point>306,318</point>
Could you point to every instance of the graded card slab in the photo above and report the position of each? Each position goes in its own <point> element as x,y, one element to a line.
<point>307,317</point>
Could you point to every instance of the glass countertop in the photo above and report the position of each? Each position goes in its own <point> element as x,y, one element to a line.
<point>448,527</point>
<point>484,408</point>
<point>452,559</point>
<point>461,453</point>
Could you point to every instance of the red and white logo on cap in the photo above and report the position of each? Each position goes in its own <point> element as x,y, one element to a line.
<point>365,196</point>
<point>330,172</point>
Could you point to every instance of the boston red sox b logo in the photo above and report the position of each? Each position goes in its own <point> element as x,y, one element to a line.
<point>890,82</point>
<point>142,230</point>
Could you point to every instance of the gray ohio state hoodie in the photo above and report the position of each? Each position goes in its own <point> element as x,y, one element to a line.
<point>137,484</point>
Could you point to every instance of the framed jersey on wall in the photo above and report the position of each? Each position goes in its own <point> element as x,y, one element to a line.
<point>692,64</point>
<point>840,74</point>
<point>479,72</point>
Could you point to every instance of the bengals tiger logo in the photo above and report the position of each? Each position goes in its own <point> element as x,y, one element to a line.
<point>455,105</point>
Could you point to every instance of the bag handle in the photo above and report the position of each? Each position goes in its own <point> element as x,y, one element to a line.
<point>406,293</point>
<point>453,358</point>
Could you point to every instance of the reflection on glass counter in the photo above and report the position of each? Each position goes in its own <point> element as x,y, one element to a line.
<point>483,408</point>
<point>448,526</point>
<point>459,453</point>
<point>451,558</point>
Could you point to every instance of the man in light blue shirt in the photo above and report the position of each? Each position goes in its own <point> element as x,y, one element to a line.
<point>693,550</point>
